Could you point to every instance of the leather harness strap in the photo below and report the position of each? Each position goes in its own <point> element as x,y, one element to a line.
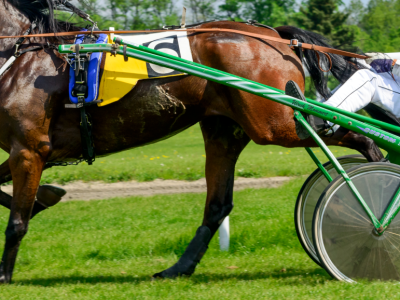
<point>291,43</point>
<point>329,59</point>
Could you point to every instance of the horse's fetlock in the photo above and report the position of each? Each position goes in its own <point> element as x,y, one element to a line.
<point>16,230</point>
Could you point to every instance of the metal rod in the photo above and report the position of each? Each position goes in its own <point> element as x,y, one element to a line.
<point>374,122</point>
<point>339,169</point>
<point>319,164</point>
<point>390,212</point>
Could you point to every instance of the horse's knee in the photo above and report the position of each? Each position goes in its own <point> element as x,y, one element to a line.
<point>28,160</point>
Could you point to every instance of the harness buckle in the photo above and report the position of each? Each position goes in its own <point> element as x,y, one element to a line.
<point>114,49</point>
<point>295,43</point>
<point>16,50</point>
<point>73,48</point>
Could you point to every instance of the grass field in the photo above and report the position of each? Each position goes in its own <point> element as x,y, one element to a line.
<point>109,249</point>
<point>183,157</point>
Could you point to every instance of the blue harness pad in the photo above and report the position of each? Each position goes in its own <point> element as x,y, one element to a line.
<point>93,72</point>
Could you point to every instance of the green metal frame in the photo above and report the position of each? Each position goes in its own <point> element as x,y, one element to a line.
<point>339,169</point>
<point>372,128</point>
<point>317,162</point>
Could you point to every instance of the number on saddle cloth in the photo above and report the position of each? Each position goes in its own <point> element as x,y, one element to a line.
<point>91,77</point>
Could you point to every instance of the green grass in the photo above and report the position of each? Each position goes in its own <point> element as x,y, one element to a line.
<point>183,157</point>
<point>109,249</point>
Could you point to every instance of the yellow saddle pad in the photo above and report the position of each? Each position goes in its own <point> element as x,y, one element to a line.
<point>120,77</point>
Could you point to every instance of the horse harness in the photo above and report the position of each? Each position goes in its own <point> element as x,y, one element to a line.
<point>81,65</point>
<point>18,52</point>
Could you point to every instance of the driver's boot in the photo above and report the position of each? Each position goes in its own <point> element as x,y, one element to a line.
<point>319,125</point>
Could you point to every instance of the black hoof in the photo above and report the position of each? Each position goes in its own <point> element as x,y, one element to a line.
<point>158,276</point>
<point>49,195</point>
<point>60,192</point>
<point>174,272</point>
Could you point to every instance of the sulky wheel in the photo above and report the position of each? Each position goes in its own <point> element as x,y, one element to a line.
<point>308,198</point>
<point>345,240</point>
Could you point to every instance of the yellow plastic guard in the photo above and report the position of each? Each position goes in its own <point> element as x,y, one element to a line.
<point>120,77</point>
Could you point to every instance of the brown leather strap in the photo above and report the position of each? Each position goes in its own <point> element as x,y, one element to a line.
<point>255,35</point>
<point>329,59</point>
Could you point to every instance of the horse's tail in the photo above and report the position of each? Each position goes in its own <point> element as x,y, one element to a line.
<point>342,67</point>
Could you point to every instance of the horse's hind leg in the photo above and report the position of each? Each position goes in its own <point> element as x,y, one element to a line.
<point>26,168</point>
<point>46,196</point>
<point>224,141</point>
<point>350,139</point>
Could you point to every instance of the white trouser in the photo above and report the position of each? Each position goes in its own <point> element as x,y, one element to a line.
<point>366,86</point>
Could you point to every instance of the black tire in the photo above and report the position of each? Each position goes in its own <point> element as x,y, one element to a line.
<point>345,240</point>
<point>308,197</point>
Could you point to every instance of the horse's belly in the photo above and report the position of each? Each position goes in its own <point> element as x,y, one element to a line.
<point>148,114</point>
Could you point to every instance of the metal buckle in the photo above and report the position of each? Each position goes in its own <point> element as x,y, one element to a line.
<point>72,48</point>
<point>295,43</point>
<point>114,49</point>
<point>79,105</point>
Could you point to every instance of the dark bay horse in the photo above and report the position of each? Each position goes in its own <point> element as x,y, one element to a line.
<point>36,128</point>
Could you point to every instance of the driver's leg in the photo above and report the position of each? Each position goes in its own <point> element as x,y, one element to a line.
<point>357,92</point>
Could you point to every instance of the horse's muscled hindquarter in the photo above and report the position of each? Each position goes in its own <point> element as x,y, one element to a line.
<point>36,128</point>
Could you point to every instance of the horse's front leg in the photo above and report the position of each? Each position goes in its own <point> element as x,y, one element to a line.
<point>26,169</point>
<point>224,141</point>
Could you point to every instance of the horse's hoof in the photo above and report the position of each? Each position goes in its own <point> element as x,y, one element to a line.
<point>165,274</point>
<point>3,280</point>
<point>49,195</point>
<point>174,272</point>
<point>157,276</point>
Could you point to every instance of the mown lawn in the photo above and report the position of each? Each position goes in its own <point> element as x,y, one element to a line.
<point>183,157</point>
<point>109,249</point>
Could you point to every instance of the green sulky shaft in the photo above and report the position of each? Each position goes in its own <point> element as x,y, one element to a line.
<point>373,122</point>
<point>383,139</point>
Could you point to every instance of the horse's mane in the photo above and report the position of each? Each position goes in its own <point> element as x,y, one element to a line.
<point>342,67</point>
<point>41,12</point>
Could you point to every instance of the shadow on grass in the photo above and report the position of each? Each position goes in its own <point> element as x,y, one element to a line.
<point>303,276</point>
<point>308,277</point>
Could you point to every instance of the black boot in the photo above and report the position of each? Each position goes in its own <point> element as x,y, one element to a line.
<point>319,125</point>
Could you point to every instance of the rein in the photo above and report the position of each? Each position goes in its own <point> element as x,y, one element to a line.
<point>292,43</point>
<point>18,52</point>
